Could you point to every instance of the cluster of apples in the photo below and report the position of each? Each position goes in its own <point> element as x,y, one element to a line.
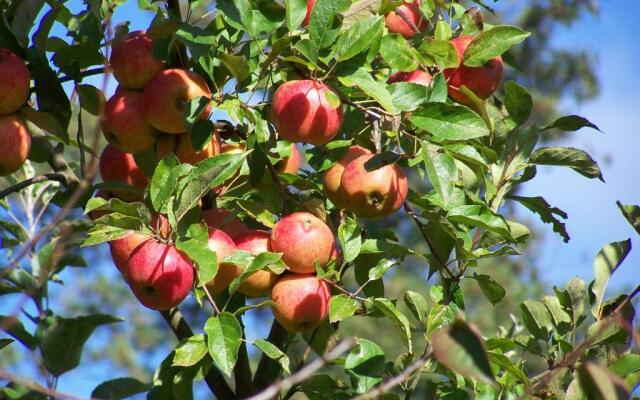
<point>15,141</point>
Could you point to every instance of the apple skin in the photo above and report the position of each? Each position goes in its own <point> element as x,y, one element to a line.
<point>166,95</point>
<point>291,164</point>
<point>14,82</point>
<point>15,143</point>
<point>302,113</point>
<point>182,147</point>
<point>418,77</point>
<point>302,301</point>
<point>223,245</point>
<point>260,282</point>
<point>220,218</point>
<point>396,24</point>
<point>123,124</point>
<point>336,254</point>
<point>116,166</point>
<point>159,275</point>
<point>307,17</point>
<point>373,194</point>
<point>132,60</point>
<point>333,176</point>
<point>303,239</point>
<point>122,248</point>
<point>482,81</point>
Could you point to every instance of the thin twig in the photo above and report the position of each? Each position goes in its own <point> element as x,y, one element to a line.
<point>36,179</point>
<point>54,394</point>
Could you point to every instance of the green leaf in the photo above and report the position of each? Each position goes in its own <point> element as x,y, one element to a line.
<point>440,52</point>
<point>576,159</point>
<point>246,308</point>
<point>224,337</point>
<point>605,264</point>
<point>571,123</point>
<point>441,315</point>
<point>518,102</point>
<point>190,351</point>
<point>273,261</point>
<point>480,216</point>
<point>417,305</point>
<point>341,307</point>
<point>438,89</point>
<point>398,54</point>
<point>443,174</point>
<point>4,342</point>
<point>274,353</point>
<point>164,181</point>
<point>399,319</point>
<point>45,121</point>
<point>194,109</point>
<point>449,122</point>
<point>547,213</point>
<point>350,239</point>
<point>408,96</point>
<point>504,362</point>
<point>492,43</point>
<point>492,290</point>
<point>372,88</point>
<point>91,99</point>
<point>365,363</point>
<point>205,260</point>
<point>14,328</point>
<point>627,366</point>
<point>321,32</point>
<point>119,388</point>
<point>358,38</point>
<point>191,34</point>
<point>237,65</point>
<point>632,214</point>
<point>258,212</point>
<point>536,318</point>
<point>572,298</point>
<point>598,383</point>
<point>50,94</point>
<point>296,11</point>
<point>381,267</point>
<point>460,348</point>
<point>561,319</point>
<point>61,340</point>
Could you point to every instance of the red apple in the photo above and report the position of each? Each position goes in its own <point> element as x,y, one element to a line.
<point>306,111</point>
<point>307,17</point>
<point>377,193</point>
<point>260,282</point>
<point>159,275</point>
<point>396,20</point>
<point>302,301</point>
<point>122,248</point>
<point>291,164</point>
<point>132,60</point>
<point>166,96</point>
<point>15,143</point>
<point>116,166</point>
<point>223,245</point>
<point>123,124</point>
<point>304,239</point>
<point>14,82</point>
<point>333,176</point>
<point>482,81</point>
<point>182,147</point>
<point>418,77</point>
<point>224,220</point>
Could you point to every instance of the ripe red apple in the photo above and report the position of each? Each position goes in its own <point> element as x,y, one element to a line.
<point>132,60</point>
<point>333,176</point>
<point>411,12</point>
<point>307,17</point>
<point>220,218</point>
<point>304,239</point>
<point>482,81</point>
<point>418,77</point>
<point>260,282</point>
<point>302,301</point>
<point>223,245</point>
<point>123,124</point>
<point>116,166</point>
<point>15,143</point>
<point>159,275</point>
<point>15,80</point>
<point>291,164</point>
<point>377,193</point>
<point>166,96</point>
<point>182,147</point>
<point>122,248</point>
<point>306,111</point>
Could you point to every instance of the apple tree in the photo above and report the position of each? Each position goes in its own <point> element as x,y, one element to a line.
<point>249,158</point>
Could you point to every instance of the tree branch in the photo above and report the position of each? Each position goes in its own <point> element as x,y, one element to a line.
<point>268,369</point>
<point>50,393</point>
<point>36,179</point>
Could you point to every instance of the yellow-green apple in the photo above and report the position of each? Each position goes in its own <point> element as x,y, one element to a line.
<point>220,218</point>
<point>418,76</point>
<point>260,282</point>
<point>182,147</point>
<point>132,60</point>
<point>333,176</point>
<point>159,275</point>
<point>406,19</point>
<point>302,301</point>
<point>306,111</point>
<point>122,248</point>
<point>116,166</point>
<point>15,143</point>
<point>290,164</point>
<point>14,82</point>
<point>482,81</point>
<point>307,17</point>
<point>166,96</point>
<point>223,245</point>
<point>376,193</point>
<point>303,239</point>
<point>123,124</point>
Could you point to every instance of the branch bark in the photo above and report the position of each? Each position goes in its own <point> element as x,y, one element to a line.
<point>31,181</point>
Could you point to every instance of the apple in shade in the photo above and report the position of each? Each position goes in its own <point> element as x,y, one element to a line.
<point>411,12</point>
<point>290,164</point>
<point>15,143</point>
<point>333,176</point>
<point>418,77</point>
<point>166,96</point>
<point>260,282</point>
<point>103,194</point>
<point>307,17</point>
<point>182,147</point>
<point>223,245</point>
<point>482,81</point>
<point>302,301</point>
<point>159,275</point>
<point>376,193</point>
<point>132,60</point>
<point>122,248</point>
<point>229,223</point>
<point>123,124</point>
<point>14,82</point>
<point>306,111</point>
<point>116,166</point>
<point>304,239</point>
